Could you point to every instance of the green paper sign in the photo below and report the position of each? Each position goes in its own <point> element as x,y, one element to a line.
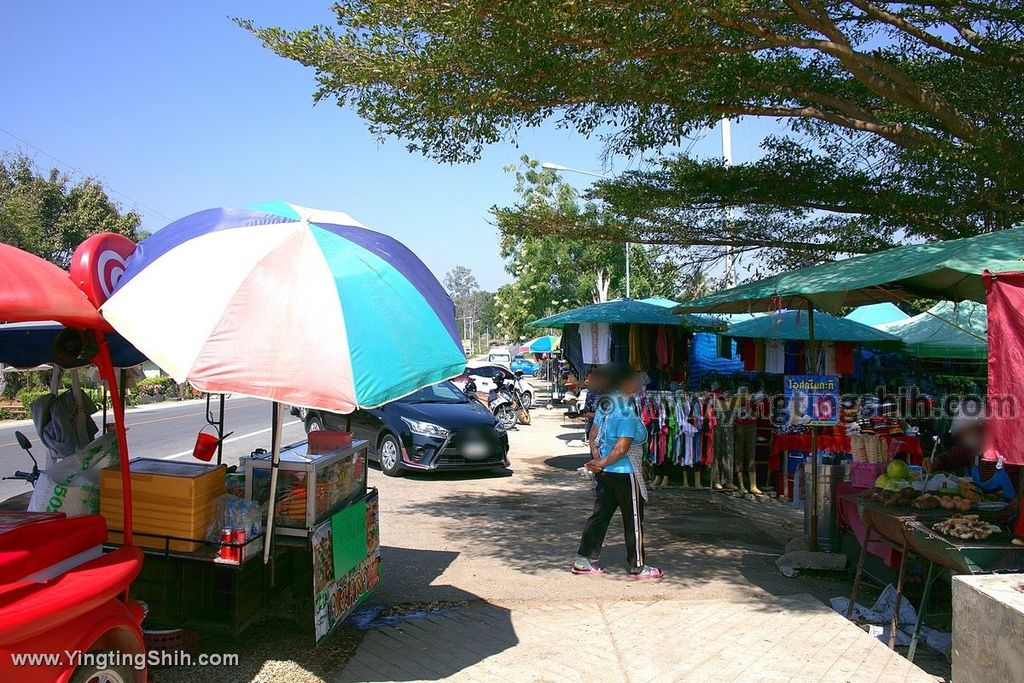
<point>348,527</point>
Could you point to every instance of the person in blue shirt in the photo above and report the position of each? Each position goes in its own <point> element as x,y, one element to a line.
<point>617,462</point>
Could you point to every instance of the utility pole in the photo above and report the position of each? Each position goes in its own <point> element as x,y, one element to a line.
<point>730,254</point>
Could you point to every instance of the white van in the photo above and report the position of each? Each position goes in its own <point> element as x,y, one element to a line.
<point>499,356</point>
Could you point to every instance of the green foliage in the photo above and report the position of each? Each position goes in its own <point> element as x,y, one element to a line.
<point>906,119</point>
<point>49,216</point>
<point>27,396</point>
<point>474,308</point>
<point>553,274</point>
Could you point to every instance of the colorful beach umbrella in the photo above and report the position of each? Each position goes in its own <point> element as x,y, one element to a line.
<point>545,344</point>
<point>290,304</point>
<point>281,302</point>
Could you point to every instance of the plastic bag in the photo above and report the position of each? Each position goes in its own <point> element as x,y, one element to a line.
<point>237,513</point>
<point>72,485</point>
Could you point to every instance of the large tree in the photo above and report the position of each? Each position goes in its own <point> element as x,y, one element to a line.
<point>556,273</point>
<point>907,118</point>
<point>49,216</point>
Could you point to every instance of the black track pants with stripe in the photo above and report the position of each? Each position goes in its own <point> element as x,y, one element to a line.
<point>617,492</point>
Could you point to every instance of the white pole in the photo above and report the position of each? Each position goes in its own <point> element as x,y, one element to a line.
<point>627,270</point>
<point>730,255</point>
<point>275,462</point>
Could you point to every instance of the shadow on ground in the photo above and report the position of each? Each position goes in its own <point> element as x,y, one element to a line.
<point>706,543</point>
<point>375,628</point>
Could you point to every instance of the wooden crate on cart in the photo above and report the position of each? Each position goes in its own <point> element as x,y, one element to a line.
<point>170,499</point>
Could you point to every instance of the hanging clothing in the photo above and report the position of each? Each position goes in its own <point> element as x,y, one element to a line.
<point>775,357</point>
<point>620,343</point>
<point>710,423</point>
<point>828,358</point>
<point>661,348</point>
<point>635,344</point>
<point>844,358</point>
<point>572,349</point>
<point>595,340</point>
<point>748,354</point>
<point>794,358</point>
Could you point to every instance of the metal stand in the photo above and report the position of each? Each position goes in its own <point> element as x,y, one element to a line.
<point>929,580</point>
<point>899,598</point>
<point>217,423</point>
<point>860,571</point>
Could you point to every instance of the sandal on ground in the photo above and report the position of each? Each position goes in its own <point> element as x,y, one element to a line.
<point>647,573</point>
<point>593,570</point>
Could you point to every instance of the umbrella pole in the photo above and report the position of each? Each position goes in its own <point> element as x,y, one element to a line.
<point>275,462</point>
<point>814,436</point>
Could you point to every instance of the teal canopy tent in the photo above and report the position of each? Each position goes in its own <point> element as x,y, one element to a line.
<point>948,270</point>
<point>946,330</point>
<point>876,314</point>
<point>794,326</point>
<point>629,311</point>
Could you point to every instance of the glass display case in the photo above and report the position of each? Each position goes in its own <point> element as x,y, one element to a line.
<point>310,488</point>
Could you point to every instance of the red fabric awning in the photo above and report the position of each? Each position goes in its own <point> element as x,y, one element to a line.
<point>33,289</point>
<point>1004,294</point>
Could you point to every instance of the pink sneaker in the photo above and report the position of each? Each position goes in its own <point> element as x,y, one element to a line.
<point>647,574</point>
<point>593,571</point>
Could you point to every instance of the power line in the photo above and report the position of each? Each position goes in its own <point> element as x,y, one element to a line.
<point>82,173</point>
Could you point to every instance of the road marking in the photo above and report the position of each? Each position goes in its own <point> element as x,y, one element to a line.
<point>234,438</point>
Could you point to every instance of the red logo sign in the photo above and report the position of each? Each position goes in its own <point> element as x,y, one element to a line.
<point>98,264</point>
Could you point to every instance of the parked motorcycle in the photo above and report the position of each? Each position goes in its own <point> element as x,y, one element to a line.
<point>505,402</point>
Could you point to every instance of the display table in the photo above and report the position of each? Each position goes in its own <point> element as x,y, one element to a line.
<point>849,516</point>
<point>909,531</point>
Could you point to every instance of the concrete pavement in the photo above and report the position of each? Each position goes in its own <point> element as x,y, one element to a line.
<point>502,543</point>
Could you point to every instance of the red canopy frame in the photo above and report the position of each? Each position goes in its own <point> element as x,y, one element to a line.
<point>31,290</point>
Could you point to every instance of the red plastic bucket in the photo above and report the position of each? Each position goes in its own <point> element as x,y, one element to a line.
<point>206,446</point>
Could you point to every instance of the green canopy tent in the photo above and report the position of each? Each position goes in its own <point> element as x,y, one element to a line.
<point>938,270</point>
<point>876,314</point>
<point>795,326</point>
<point>946,330</point>
<point>659,301</point>
<point>629,311</point>
<point>949,270</point>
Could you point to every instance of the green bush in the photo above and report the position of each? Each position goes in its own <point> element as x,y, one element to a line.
<point>96,395</point>
<point>27,396</point>
<point>155,385</point>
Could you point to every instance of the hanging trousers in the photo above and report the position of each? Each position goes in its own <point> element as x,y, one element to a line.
<point>721,466</point>
<point>745,444</point>
<point>617,492</point>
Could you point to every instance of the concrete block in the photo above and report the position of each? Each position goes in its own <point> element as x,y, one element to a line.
<point>988,628</point>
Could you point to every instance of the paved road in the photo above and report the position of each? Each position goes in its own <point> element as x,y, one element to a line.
<point>162,431</point>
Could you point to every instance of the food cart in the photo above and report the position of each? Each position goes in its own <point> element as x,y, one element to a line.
<point>298,306</point>
<point>59,592</point>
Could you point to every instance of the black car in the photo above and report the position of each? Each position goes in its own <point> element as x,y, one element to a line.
<point>435,428</point>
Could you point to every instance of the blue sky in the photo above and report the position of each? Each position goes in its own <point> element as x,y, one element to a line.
<point>177,109</point>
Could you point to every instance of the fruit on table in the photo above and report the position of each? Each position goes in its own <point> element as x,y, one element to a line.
<point>898,469</point>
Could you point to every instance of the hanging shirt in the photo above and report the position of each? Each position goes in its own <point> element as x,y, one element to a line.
<point>794,358</point>
<point>661,348</point>
<point>775,357</point>
<point>748,354</point>
<point>844,358</point>
<point>828,358</point>
<point>596,341</point>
